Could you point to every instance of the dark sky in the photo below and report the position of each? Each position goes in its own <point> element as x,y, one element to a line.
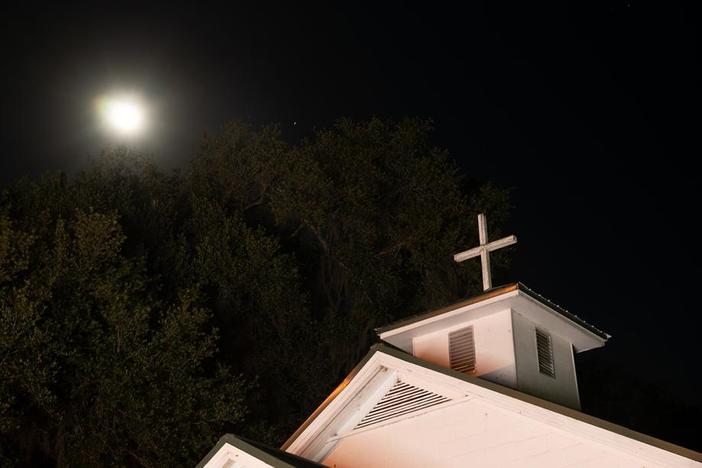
<point>589,113</point>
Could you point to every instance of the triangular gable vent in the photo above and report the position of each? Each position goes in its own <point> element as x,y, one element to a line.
<point>401,399</point>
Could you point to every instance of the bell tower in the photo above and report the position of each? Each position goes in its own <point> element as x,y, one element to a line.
<point>509,335</point>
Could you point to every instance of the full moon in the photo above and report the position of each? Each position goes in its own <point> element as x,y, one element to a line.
<point>124,116</point>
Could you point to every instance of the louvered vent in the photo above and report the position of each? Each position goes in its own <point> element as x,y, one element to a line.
<point>544,348</point>
<point>462,350</point>
<point>402,398</point>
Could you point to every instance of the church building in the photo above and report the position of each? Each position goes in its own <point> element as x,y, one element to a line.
<point>486,382</point>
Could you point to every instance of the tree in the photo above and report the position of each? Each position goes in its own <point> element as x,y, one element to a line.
<point>95,370</point>
<point>372,213</point>
<point>157,311</point>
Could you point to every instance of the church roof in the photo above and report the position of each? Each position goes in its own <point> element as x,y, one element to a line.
<point>262,452</point>
<point>489,294</point>
<point>382,349</point>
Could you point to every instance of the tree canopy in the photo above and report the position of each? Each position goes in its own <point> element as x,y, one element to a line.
<point>143,314</point>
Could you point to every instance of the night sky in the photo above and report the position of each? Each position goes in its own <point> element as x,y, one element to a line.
<point>589,113</point>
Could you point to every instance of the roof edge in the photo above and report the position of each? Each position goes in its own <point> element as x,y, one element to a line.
<point>569,315</point>
<point>339,388</point>
<point>489,294</point>
<point>236,442</point>
<point>548,405</point>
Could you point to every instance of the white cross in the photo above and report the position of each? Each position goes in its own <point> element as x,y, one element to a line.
<point>484,250</point>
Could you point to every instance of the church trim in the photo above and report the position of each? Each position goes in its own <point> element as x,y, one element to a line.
<point>397,327</point>
<point>232,451</point>
<point>314,441</point>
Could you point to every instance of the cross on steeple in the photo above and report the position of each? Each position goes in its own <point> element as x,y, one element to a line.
<point>484,250</point>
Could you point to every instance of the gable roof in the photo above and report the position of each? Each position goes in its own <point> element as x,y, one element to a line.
<point>321,419</point>
<point>268,456</point>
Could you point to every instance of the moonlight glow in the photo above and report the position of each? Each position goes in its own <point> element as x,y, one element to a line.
<point>122,115</point>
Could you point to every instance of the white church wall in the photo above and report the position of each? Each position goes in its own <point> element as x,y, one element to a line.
<point>494,347</point>
<point>563,387</point>
<point>432,347</point>
<point>474,433</point>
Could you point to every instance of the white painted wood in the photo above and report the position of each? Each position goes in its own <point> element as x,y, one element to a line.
<point>562,388</point>
<point>362,404</point>
<point>350,410</point>
<point>361,393</point>
<point>229,456</point>
<point>474,433</point>
<point>537,312</point>
<point>494,347</point>
<point>484,249</point>
<point>484,427</point>
<point>505,343</point>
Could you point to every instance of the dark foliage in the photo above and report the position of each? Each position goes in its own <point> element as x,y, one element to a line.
<point>143,314</point>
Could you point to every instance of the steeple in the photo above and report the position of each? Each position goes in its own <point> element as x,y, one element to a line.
<point>509,335</point>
